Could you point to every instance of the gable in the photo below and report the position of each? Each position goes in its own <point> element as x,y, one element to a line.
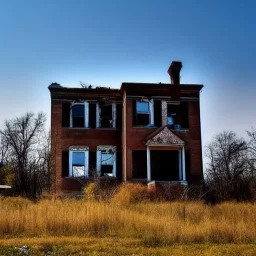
<point>164,137</point>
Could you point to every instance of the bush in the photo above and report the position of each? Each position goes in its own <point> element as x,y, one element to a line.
<point>131,193</point>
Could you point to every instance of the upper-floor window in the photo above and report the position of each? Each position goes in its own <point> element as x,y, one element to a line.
<point>79,115</point>
<point>177,115</point>
<point>144,113</point>
<point>91,115</point>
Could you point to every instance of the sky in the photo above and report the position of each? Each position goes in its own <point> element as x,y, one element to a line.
<point>107,42</point>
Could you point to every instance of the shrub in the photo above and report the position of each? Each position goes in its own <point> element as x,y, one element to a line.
<point>131,193</point>
<point>90,192</point>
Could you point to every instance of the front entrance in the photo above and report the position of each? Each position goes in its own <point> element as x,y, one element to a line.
<point>164,165</point>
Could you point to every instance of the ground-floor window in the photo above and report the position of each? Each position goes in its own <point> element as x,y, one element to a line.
<point>78,161</point>
<point>106,161</point>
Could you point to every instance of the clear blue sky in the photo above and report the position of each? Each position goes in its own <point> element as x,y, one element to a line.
<point>110,42</point>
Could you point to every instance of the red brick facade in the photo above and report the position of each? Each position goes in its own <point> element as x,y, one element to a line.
<point>128,137</point>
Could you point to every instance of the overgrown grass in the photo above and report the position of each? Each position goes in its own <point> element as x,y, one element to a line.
<point>155,224</point>
<point>65,246</point>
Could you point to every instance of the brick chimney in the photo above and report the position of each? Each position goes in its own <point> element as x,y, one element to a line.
<point>174,72</point>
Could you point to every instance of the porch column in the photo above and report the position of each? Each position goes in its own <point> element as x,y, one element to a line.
<point>180,165</point>
<point>183,164</point>
<point>148,165</point>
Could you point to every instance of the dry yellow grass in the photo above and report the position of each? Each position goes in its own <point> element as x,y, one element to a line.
<point>154,223</point>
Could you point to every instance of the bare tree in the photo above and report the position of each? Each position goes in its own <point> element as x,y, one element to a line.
<point>26,150</point>
<point>229,171</point>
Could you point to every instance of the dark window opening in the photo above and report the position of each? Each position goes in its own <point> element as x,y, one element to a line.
<point>177,115</point>
<point>139,159</point>
<point>119,115</point>
<point>164,165</point>
<point>92,115</point>
<point>65,114</point>
<point>78,115</point>
<point>106,117</point>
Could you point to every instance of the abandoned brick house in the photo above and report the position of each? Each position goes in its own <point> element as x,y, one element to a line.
<point>140,132</point>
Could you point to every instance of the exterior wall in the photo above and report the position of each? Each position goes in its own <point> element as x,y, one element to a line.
<point>63,138</point>
<point>130,138</point>
<point>135,139</point>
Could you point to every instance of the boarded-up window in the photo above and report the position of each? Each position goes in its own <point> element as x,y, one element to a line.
<point>119,164</point>
<point>92,163</point>
<point>92,115</point>
<point>65,164</point>
<point>139,158</point>
<point>65,114</point>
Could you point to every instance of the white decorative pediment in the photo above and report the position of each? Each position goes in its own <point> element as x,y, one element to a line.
<point>78,148</point>
<point>164,138</point>
<point>107,148</point>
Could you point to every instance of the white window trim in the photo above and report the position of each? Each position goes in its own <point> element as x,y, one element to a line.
<point>86,159</point>
<point>99,152</point>
<point>86,113</point>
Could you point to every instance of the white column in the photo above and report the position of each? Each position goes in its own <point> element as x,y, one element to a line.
<point>183,164</point>
<point>98,165</point>
<point>86,114</point>
<point>148,165</point>
<point>86,163</point>
<point>114,164</point>
<point>180,165</point>
<point>70,164</point>
<point>114,115</point>
<point>97,115</point>
<point>151,106</point>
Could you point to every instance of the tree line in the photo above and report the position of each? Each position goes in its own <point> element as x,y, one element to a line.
<point>26,160</point>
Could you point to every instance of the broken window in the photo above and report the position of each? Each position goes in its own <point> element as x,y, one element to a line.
<point>106,115</point>
<point>177,115</point>
<point>106,120</point>
<point>78,162</point>
<point>143,113</point>
<point>106,161</point>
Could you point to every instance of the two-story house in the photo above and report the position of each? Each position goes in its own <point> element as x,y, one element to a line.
<point>140,132</point>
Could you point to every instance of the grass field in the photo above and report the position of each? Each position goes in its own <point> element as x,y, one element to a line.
<point>78,227</point>
<point>65,246</point>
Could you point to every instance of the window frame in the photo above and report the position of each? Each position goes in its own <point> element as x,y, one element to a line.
<point>98,116</point>
<point>109,150</point>
<point>86,114</point>
<point>84,150</point>
<point>150,113</point>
